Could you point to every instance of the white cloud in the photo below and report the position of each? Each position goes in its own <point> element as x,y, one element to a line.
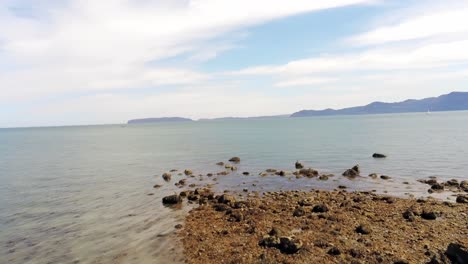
<point>433,21</point>
<point>86,45</point>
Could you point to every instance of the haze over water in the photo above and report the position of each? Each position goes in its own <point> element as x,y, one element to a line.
<point>80,194</point>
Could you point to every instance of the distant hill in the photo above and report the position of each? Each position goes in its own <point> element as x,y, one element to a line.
<point>242,118</point>
<point>449,102</point>
<point>158,120</point>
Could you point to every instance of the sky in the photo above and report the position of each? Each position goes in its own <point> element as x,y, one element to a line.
<point>76,62</point>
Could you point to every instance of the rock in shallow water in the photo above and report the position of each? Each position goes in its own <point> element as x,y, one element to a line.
<point>166,176</point>
<point>298,165</point>
<point>234,159</point>
<point>172,199</point>
<point>378,155</point>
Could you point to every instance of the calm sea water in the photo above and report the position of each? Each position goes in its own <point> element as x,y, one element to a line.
<point>80,194</point>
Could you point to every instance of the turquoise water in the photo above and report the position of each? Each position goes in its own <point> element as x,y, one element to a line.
<point>80,194</point>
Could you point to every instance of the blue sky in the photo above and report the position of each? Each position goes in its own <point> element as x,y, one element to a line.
<point>92,62</point>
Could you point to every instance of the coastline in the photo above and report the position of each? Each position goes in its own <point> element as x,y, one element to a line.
<point>325,227</point>
<point>332,226</point>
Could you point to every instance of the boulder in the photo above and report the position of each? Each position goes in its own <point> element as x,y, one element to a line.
<point>172,199</point>
<point>457,253</point>
<point>464,186</point>
<point>378,155</point>
<point>166,176</point>
<point>235,159</point>
<point>462,199</point>
<point>290,245</point>
<point>353,172</point>
<point>309,172</point>
<point>188,172</point>
<point>321,208</point>
<point>363,229</point>
<point>299,212</point>
<point>226,199</point>
<point>429,215</point>
<point>437,187</point>
<point>299,165</point>
<point>385,177</point>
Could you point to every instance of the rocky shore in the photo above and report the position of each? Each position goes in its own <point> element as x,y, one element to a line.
<point>319,226</point>
<point>324,227</point>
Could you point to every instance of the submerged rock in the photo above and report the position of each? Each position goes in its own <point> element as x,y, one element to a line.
<point>353,172</point>
<point>378,155</point>
<point>166,176</point>
<point>309,172</point>
<point>172,199</point>
<point>234,159</point>
<point>298,165</point>
<point>220,163</point>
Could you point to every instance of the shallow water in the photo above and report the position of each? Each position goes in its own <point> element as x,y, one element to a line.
<point>80,194</point>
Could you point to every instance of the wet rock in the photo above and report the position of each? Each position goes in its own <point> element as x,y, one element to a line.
<point>223,173</point>
<point>323,177</point>
<point>385,177</point>
<point>236,216</point>
<point>246,173</point>
<point>192,185</point>
<point>373,175</point>
<point>226,199</point>
<point>235,159</point>
<point>172,199</point>
<point>306,202</point>
<point>188,172</point>
<point>233,168</point>
<point>182,182</point>
<point>183,193</point>
<point>290,245</point>
<point>462,199</point>
<point>220,163</point>
<point>321,208</point>
<point>173,170</point>
<point>220,207</point>
<point>228,166</point>
<point>334,251</point>
<point>464,186</point>
<point>452,183</point>
<point>409,215</point>
<point>281,173</point>
<point>271,170</point>
<point>209,174</point>
<point>342,187</point>
<point>299,212</point>
<point>437,187</point>
<point>166,176</point>
<point>287,245</point>
<point>157,186</point>
<point>429,215</point>
<point>298,165</point>
<point>363,229</point>
<point>309,172</point>
<point>193,197</point>
<point>378,155</point>
<point>353,172</point>
<point>178,226</point>
<point>457,253</point>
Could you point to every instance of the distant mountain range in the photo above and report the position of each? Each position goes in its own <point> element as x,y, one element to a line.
<point>454,101</point>
<point>449,102</point>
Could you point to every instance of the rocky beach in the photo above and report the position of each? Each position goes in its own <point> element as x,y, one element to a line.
<point>321,226</point>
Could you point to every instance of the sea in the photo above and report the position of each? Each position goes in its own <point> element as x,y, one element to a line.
<point>84,194</point>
